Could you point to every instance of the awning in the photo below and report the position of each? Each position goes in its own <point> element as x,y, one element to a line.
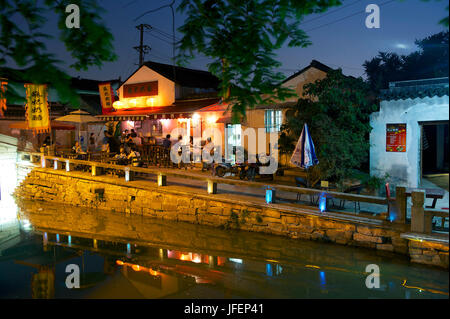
<point>180,109</point>
<point>111,117</point>
<point>54,125</point>
<point>216,107</point>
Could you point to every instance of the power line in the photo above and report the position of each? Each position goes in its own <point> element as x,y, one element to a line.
<point>164,40</point>
<point>346,17</point>
<point>154,10</point>
<point>162,32</point>
<point>330,12</point>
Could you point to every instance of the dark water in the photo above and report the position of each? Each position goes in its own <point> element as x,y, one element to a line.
<point>123,256</point>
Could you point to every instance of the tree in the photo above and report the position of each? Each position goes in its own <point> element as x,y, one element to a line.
<point>22,42</point>
<point>337,110</point>
<point>241,37</point>
<point>431,60</point>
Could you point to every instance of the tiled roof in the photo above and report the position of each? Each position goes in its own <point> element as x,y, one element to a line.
<point>415,89</point>
<point>314,64</point>
<point>184,76</point>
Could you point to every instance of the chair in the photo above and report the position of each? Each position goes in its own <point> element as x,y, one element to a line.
<point>355,189</point>
<point>300,182</point>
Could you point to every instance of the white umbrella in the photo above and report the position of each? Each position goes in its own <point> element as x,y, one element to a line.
<point>78,117</point>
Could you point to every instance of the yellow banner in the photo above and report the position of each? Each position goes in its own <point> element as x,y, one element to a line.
<point>3,85</point>
<point>37,108</point>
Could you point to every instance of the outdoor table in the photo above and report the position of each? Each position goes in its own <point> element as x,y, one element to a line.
<point>434,193</point>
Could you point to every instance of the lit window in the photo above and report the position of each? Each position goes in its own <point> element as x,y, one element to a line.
<point>272,120</point>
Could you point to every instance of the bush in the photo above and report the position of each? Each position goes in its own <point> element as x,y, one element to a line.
<point>337,110</point>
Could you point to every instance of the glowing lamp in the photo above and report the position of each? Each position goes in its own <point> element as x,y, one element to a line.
<point>270,195</point>
<point>133,102</point>
<point>119,105</point>
<point>119,262</point>
<point>196,117</point>
<point>150,101</point>
<point>211,119</point>
<point>322,202</point>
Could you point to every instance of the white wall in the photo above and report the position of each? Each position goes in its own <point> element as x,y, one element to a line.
<point>166,88</point>
<point>404,168</point>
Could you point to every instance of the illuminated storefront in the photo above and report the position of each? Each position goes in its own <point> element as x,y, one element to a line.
<point>160,99</point>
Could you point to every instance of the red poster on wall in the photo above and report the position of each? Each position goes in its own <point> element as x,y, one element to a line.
<point>395,137</point>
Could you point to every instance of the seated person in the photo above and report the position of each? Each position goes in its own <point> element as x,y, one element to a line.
<point>122,158</point>
<point>134,157</point>
<point>47,141</point>
<point>105,148</point>
<point>77,150</point>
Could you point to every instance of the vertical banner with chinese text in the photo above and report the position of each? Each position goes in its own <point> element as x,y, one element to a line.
<point>3,85</point>
<point>37,108</point>
<point>106,97</point>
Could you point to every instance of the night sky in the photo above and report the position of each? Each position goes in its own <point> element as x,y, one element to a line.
<point>339,36</point>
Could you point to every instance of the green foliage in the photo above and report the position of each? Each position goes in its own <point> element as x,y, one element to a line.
<point>431,60</point>
<point>375,182</point>
<point>337,110</point>
<point>242,37</point>
<point>22,42</point>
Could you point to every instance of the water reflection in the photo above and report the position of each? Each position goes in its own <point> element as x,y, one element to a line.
<point>135,257</point>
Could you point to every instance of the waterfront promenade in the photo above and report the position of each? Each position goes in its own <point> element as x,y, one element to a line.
<point>199,198</point>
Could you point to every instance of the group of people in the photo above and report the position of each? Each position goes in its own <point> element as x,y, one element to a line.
<point>126,147</point>
<point>167,144</point>
<point>128,151</point>
<point>132,157</point>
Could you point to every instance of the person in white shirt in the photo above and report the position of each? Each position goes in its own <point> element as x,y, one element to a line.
<point>134,156</point>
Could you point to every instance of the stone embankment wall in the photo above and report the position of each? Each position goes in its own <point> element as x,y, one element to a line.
<point>146,199</point>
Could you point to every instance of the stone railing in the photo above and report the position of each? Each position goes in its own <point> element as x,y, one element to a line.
<point>396,207</point>
<point>421,218</point>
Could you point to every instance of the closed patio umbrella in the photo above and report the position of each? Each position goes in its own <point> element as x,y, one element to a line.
<point>304,155</point>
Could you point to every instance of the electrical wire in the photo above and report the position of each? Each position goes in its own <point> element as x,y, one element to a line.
<point>330,12</point>
<point>346,17</point>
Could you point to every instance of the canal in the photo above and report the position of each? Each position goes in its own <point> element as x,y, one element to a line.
<point>129,256</point>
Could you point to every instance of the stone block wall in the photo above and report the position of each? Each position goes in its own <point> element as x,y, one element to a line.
<point>106,193</point>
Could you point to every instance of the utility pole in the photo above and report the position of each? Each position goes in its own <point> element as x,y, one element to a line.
<point>142,49</point>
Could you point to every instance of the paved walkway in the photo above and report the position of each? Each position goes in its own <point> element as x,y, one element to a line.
<point>259,193</point>
<point>285,197</point>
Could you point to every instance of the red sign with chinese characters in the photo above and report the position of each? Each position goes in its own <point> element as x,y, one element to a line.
<point>395,137</point>
<point>140,89</point>
<point>106,97</point>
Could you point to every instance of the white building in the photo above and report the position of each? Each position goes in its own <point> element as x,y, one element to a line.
<point>410,132</point>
